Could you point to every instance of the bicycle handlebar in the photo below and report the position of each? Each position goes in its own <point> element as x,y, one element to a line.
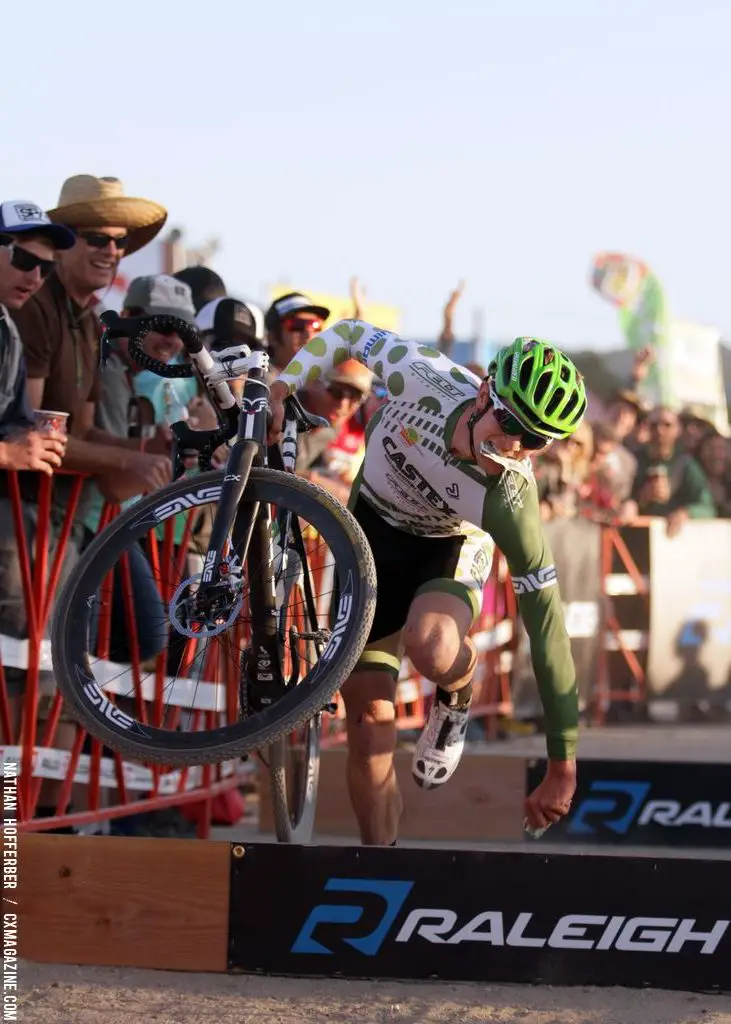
<point>215,370</point>
<point>136,329</point>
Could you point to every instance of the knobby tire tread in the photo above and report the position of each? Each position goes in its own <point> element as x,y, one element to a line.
<point>329,683</point>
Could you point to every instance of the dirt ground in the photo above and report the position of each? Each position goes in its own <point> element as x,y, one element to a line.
<point>53,994</point>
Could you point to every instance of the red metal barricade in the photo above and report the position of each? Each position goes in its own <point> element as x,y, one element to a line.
<point>625,596</point>
<point>35,743</point>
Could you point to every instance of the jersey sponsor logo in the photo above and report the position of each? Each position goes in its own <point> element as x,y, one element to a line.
<point>409,436</point>
<point>437,381</point>
<point>480,567</point>
<point>372,341</point>
<point>411,473</point>
<point>408,499</point>
<point>511,494</point>
<point>533,581</point>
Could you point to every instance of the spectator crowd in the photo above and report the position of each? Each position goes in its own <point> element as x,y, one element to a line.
<point>114,426</point>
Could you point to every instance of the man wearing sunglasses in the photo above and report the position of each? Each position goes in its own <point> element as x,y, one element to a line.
<point>28,246</point>
<point>447,476</point>
<point>60,331</point>
<point>290,322</point>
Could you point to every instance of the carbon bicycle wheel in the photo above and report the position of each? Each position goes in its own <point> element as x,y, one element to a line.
<point>294,758</point>
<point>149,726</point>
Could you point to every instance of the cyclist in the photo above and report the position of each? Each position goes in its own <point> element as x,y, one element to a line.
<point>447,475</point>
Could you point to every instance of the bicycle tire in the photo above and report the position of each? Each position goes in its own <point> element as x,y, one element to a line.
<point>286,829</point>
<point>293,807</point>
<point>85,700</point>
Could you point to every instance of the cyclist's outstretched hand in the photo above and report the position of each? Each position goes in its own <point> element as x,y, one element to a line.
<point>277,395</point>
<point>551,800</point>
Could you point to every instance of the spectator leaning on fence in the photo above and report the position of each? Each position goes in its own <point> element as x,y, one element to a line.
<point>28,246</point>
<point>60,334</point>
<point>118,414</point>
<point>60,331</point>
<point>29,243</point>
<point>669,482</point>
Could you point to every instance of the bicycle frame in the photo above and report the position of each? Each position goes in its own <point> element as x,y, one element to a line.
<point>248,525</point>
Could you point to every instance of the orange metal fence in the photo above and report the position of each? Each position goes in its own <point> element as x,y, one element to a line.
<point>107,785</point>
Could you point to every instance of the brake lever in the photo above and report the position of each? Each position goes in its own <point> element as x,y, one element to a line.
<point>306,421</point>
<point>188,443</point>
<point>116,326</point>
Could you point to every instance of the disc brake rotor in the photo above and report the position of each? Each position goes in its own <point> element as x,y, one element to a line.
<point>196,624</point>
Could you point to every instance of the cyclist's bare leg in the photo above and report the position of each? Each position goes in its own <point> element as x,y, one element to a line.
<point>435,639</point>
<point>371,723</point>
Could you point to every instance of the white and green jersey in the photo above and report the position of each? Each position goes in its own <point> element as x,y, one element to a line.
<point>409,477</point>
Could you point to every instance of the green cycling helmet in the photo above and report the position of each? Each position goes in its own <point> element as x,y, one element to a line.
<point>541,386</point>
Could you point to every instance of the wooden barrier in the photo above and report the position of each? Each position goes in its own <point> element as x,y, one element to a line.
<point>158,903</point>
<point>483,802</point>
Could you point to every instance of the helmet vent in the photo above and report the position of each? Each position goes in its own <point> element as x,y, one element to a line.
<point>544,382</point>
<point>525,372</point>
<point>565,374</point>
<point>571,405</point>
<point>556,399</point>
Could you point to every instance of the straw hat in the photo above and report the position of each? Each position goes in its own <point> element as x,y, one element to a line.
<point>87,202</point>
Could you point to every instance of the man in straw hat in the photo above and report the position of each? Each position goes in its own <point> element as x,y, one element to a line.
<point>60,332</point>
<point>60,335</point>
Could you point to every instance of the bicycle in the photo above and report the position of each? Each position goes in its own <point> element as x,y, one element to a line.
<point>237,589</point>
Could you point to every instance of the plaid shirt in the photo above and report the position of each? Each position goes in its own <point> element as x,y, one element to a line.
<point>15,412</point>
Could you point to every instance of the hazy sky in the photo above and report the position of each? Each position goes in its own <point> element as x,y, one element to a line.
<point>412,143</point>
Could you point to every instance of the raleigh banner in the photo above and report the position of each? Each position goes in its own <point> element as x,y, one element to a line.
<point>458,915</point>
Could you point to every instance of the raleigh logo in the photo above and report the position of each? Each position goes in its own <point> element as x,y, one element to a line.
<point>393,894</point>
<point>626,803</point>
<point>493,927</point>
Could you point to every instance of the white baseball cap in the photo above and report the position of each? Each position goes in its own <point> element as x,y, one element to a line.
<point>20,215</point>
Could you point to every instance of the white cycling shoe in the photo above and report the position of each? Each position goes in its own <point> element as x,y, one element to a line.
<point>439,748</point>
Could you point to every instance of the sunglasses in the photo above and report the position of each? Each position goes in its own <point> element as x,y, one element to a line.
<point>98,240</point>
<point>511,425</point>
<point>296,325</point>
<point>26,261</point>
<point>342,392</point>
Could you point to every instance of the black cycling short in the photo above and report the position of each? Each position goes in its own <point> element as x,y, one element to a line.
<point>407,565</point>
